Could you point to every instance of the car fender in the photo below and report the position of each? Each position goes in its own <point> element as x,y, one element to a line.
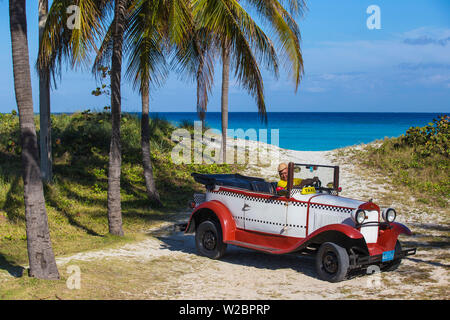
<point>220,211</point>
<point>387,238</point>
<point>400,228</point>
<point>345,229</point>
<point>342,234</point>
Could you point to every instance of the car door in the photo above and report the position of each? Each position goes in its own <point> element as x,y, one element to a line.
<point>296,216</point>
<point>265,214</point>
<point>233,200</point>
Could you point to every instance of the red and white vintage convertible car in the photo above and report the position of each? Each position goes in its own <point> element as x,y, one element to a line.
<point>345,234</point>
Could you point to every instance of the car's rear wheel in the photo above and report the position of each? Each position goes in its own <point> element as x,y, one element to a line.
<point>332,262</point>
<point>208,240</point>
<point>394,264</point>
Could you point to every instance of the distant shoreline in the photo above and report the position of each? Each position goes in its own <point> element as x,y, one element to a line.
<point>314,131</point>
<point>254,112</point>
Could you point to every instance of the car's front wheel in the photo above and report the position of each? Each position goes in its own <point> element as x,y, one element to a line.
<point>332,262</point>
<point>208,240</point>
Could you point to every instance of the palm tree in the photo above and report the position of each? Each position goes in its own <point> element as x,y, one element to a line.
<point>40,252</point>
<point>146,66</point>
<point>206,53</point>
<point>224,97</point>
<point>73,45</point>
<point>205,72</point>
<point>44,105</point>
<point>115,154</point>
<point>150,24</point>
<point>59,42</point>
<point>195,57</point>
<point>240,39</point>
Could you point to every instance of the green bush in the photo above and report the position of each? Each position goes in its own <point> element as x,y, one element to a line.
<point>9,133</point>
<point>431,139</point>
<point>80,146</point>
<point>76,201</point>
<point>418,159</point>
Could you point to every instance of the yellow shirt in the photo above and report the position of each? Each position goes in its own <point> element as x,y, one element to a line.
<point>283,183</point>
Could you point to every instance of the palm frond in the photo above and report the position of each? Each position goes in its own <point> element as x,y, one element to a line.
<point>287,31</point>
<point>204,42</point>
<point>153,27</point>
<point>71,43</point>
<point>247,42</point>
<point>194,60</point>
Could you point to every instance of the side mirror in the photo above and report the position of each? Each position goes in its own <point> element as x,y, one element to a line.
<point>282,192</point>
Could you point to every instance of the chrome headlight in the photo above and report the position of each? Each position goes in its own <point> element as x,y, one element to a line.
<point>359,216</point>
<point>389,215</point>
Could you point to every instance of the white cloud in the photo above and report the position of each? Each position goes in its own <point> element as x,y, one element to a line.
<point>430,32</point>
<point>377,55</point>
<point>314,89</point>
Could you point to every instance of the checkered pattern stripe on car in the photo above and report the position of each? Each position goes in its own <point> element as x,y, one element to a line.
<point>247,197</point>
<point>299,204</point>
<point>270,222</point>
<point>199,197</point>
<point>280,202</point>
<point>330,208</point>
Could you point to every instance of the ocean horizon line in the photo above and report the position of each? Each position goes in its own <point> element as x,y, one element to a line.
<point>256,112</point>
<point>313,131</point>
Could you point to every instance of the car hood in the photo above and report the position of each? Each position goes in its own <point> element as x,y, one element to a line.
<point>330,200</point>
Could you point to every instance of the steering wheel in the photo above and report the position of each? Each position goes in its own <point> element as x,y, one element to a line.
<point>315,184</point>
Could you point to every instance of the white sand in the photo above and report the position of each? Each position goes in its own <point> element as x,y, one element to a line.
<point>245,274</point>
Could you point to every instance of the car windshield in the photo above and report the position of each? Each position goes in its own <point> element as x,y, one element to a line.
<point>327,175</point>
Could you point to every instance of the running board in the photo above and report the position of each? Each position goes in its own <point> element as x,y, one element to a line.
<point>252,246</point>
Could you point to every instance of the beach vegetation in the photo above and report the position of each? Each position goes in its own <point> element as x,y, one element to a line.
<point>39,247</point>
<point>418,159</point>
<point>76,200</point>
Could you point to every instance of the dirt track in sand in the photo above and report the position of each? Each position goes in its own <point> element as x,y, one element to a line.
<point>166,265</point>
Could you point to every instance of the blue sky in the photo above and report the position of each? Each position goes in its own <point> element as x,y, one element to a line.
<point>402,67</point>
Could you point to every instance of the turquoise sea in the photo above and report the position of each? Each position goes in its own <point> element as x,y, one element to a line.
<point>314,131</point>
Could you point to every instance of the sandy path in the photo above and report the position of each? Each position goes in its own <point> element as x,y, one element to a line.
<point>245,274</point>
<point>166,265</point>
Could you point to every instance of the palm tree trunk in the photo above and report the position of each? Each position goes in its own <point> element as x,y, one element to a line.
<point>40,252</point>
<point>44,106</point>
<point>115,156</point>
<point>152,193</point>
<point>224,99</point>
<point>201,109</point>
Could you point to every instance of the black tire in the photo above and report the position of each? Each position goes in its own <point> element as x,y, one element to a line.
<point>394,264</point>
<point>332,262</point>
<point>209,241</point>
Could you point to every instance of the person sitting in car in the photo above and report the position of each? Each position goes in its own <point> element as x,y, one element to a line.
<point>283,172</point>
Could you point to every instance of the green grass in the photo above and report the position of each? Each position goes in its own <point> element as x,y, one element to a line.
<point>118,279</point>
<point>76,201</point>
<point>419,161</point>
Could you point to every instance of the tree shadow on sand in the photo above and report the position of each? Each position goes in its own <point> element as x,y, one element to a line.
<point>14,270</point>
<point>177,241</point>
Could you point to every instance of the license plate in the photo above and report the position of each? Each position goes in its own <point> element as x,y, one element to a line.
<point>308,190</point>
<point>388,256</point>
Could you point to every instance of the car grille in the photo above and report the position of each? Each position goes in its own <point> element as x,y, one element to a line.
<point>370,231</point>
